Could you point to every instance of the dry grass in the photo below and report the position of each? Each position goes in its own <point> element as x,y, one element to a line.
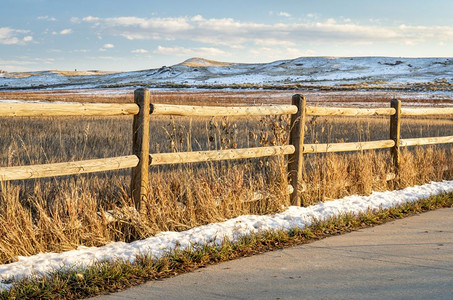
<point>58,214</point>
<point>237,97</point>
<point>112,276</point>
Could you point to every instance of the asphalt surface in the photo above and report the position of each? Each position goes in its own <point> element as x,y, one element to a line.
<point>410,258</point>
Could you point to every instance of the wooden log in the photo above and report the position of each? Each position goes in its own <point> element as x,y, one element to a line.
<point>216,155</point>
<point>426,141</point>
<point>140,147</point>
<point>343,111</point>
<point>46,109</point>
<point>395,134</point>
<point>68,168</point>
<point>188,110</point>
<point>426,111</point>
<point>296,138</point>
<point>343,147</point>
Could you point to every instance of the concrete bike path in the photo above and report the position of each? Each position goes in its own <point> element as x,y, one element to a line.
<point>410,258</point>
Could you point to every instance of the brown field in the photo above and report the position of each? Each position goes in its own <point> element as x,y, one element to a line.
<point>57,214</point>
<point>239,97</point>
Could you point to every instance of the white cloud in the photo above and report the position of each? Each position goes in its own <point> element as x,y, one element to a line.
<point>140,28</point>
<point>16,62</point>
<point>273,42</point>
<point>90,19</point>
<point>233,33</point>
<point>185,52</point>
<point>266,54</point>
<point>106,46</point>
<point>24,63</point>
<point>10,36</point>
<point>284,14</point>
<point>75,20</point>
<point>197,18</point>
<point>140,51</point>
<point>66,31</point>
<point>46,18</point>
<point>108,57</point>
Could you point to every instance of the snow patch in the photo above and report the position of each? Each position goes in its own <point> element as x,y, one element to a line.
<point>304,70</point>
<point>162,243</point>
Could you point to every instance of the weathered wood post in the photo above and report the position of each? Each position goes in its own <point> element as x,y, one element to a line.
<point>140,147</point>
<point>296,138</point>
<point>395,135</point>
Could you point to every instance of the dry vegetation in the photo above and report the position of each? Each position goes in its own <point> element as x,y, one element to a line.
<point>238,97</point>
<point>58,214</point>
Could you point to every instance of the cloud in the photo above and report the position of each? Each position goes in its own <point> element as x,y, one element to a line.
<point>140,51</point>
<point>24,63</point>
<point>233,33</point>
<point>46,18</point>
<point>66,31</point>
<point>134,28</point>
<point>270,53</point>
<point>63,32</point>
<point>11,36</point>
<point>280,14</point>
<point>284,14</point>
<point>75,20</point>
<point>273,42</point>
<point>106,46</point>
<point>185,52</point>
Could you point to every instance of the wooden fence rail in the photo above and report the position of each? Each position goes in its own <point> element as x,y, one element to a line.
<point>68,168</point>
<point>216,155</point>
<point>343,111</point>
<point>141,159</point>
<point>221,111</point>
<point>44,109</point>
<point>343,147</point>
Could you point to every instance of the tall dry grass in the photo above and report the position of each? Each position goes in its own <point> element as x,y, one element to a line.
<point>58,214</point>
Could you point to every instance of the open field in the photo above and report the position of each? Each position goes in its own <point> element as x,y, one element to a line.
<point>355,98</point>
<point>61,213</point>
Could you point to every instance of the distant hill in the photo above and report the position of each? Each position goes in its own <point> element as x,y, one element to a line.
<point>308,72</point>
<point>202,62</point>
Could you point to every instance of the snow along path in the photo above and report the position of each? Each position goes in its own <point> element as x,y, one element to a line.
<point>161,243</point>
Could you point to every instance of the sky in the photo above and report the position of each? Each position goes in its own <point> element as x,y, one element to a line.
<point>137,34</point>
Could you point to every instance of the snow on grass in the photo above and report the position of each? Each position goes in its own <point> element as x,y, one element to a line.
<point>162,243</point>
<point>305,70</point>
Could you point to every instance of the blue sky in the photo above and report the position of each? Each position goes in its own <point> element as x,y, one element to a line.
<point>138,34</point>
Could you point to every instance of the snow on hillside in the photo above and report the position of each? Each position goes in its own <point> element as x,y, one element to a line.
<point>162,243</point>
<point>303,70</point>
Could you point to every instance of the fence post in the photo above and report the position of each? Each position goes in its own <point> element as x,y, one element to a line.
<point>296,138</point>
<point>140,147</point>
<point>395,134</point>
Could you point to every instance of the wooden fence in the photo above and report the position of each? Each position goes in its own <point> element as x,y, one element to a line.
<point>141,159</point>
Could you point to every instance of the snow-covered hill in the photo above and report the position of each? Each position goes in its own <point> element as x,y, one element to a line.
<point>326,71</point>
